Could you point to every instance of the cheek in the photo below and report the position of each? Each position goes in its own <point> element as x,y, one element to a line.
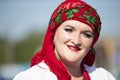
<point>61,36</point>
<point>87,43</point>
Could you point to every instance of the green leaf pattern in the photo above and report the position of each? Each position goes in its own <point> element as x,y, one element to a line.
<point>75,10</point>
<point>86,15</point>
<point>58,18</point>
<point>70,14</point>
<point>99,29</point>
<point>90,18</point>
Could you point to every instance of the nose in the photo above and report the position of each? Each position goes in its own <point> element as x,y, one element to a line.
<point>76,39</point>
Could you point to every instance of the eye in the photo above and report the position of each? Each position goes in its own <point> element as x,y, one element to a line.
<point>88,34</point>
<point>68,30</point>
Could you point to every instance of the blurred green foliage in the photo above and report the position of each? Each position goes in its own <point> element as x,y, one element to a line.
<point>2,42</point>
<point>22,51</point>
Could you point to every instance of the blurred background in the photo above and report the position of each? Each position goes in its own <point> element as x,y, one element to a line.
<point>22,28</point>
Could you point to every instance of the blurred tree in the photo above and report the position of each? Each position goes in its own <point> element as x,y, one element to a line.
<point>6,51</point>
<point>22,51</point>
<point>26,49</point>
<point>2,42</point>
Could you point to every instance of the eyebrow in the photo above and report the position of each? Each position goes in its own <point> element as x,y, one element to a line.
<point>74,28</point>
<point>88,31</point>
<point>83,31</point>
<point>70,26</point>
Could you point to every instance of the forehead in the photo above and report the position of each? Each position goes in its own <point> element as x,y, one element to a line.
<point>76,24</point>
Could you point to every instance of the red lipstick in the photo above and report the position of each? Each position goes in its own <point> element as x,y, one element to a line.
<point>73,48</point>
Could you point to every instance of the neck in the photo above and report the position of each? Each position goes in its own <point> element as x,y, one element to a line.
<point>74,71</point>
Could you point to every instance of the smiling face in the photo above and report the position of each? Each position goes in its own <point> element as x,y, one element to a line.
<point>73,39</point>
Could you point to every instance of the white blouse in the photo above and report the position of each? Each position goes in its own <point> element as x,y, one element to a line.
<point>42,72</point>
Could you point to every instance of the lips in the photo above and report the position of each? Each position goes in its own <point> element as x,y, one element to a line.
<point>73,48</point>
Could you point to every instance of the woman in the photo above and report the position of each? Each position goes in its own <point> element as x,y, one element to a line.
<point>67,52</point>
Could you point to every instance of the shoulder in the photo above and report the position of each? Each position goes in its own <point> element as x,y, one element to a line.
<point>99,73</point>
<point>38,72</point>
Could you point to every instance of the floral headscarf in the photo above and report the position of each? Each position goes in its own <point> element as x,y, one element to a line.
<point>68,10</point>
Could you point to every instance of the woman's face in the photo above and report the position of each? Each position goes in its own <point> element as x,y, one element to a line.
<point>73,39</point>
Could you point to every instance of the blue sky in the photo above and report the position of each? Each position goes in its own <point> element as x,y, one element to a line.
<point>18,18</point>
